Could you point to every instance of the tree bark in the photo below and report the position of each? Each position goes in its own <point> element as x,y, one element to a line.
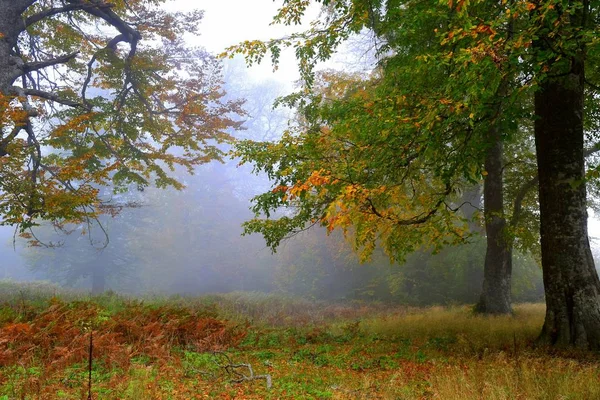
<point>10,26</point>
<point>571,283</point>
<point>496,292</point>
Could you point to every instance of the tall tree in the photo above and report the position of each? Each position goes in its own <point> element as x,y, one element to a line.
<point>465,129</point>
<point>546,51</point>
<point>96,93</point>
<point>572,286</point>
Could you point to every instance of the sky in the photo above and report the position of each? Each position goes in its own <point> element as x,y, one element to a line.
<point>229,22</point>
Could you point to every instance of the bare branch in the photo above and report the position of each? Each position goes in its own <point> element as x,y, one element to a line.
<point>232,369</point>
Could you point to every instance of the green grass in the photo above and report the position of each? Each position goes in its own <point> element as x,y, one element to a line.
<point>160,348</point>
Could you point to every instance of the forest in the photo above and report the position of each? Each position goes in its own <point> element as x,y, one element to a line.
<point>345,199</point>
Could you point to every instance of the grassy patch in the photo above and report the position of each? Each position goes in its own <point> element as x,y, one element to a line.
<point>196,348</point>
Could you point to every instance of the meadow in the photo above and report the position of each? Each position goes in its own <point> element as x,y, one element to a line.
<point>259,346</point>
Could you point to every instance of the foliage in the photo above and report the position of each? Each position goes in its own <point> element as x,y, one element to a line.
<point>106,94</point>
<point>384,157</point>
<point>192,232</point>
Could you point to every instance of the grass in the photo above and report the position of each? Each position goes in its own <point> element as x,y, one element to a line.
<point>164,348</point>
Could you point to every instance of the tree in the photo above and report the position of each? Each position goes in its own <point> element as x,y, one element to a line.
<point>73,262</point>
<point>448,128</point>
<point>544,53</point>
<point>96,93</point>
<point>566,33</point>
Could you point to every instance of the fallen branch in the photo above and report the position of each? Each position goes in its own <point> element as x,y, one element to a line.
<point>239,377</point>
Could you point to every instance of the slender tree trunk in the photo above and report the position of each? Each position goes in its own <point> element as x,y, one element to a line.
<point>571,283</point>
<point>472,203</point>
<point>98,278</point>
<point>496,293</point>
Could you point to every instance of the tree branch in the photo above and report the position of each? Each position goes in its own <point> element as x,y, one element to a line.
<point>532,183</point>
<point>54,97</point>
<point>34,66</point>
<point>6,141</point>
<point>53,11</point>
<point>518,202</point>
<point>417,219</point>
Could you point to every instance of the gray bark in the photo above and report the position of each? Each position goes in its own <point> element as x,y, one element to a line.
<point>571,283</point>
<point>11,25</point>
<point>496,292</point>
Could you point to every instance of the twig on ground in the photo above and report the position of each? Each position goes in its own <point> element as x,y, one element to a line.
<point>233,370</point>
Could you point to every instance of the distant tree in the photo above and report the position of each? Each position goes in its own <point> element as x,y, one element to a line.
<point>191,240</point>
<point>71,261</point>
<point>96,93</point>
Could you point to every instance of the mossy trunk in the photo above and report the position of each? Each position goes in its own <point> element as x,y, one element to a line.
<point>571,282</point>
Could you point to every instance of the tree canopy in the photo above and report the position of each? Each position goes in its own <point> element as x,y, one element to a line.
<point>96,93</point>
<point>397,147</point>
<point>455,82</point>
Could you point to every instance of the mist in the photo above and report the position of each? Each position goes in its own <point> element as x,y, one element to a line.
<point>191,241</point>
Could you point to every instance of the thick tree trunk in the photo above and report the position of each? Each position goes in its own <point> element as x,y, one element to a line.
<point>11,25</point>
<point>571,283</point>
<point>496,293</point>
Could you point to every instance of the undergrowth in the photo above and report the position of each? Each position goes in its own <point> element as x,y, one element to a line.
<point>174,347</point>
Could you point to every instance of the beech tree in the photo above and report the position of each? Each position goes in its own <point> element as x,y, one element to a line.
<point>446,134</point>
<point>100,93</point>
<point>567,34</point>
<point>492,56</point>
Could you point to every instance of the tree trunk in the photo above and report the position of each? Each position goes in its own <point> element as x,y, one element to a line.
<point>496,293</point>
<point>472,203</point>
<point>10,24</point>
<point>571,283</point>
<point>98,278</point>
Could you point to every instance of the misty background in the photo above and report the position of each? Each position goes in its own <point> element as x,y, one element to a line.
<point>190,241</point>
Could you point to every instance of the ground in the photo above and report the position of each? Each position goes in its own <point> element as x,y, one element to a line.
<point>185,348</point>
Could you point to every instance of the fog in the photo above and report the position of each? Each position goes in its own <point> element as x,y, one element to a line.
<point>191,242</point>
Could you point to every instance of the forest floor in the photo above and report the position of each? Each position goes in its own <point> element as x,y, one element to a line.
<point>201,347</point>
